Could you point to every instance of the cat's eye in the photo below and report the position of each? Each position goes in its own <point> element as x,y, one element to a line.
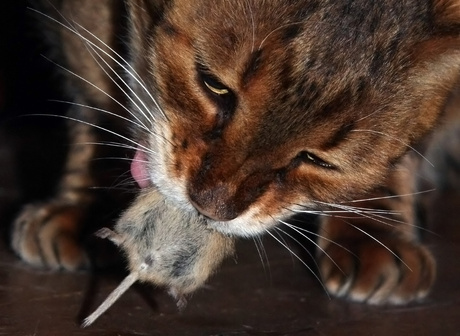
<point>223,98</point>
<point>308,157</point>
<point>211,84</point>
<point>217,90</point>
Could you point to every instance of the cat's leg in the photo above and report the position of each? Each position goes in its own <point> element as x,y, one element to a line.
<point>48,234</point>
<point>370,255</point>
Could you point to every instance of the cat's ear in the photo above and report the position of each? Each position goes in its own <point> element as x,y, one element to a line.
<point>447,12</point>
<point>144,15</point>
<point>437,72</point>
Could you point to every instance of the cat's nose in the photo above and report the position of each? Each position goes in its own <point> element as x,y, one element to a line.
<point>224,201</point>
<point>217,216</point>
<point>213,206</point>
<point>223,192</point>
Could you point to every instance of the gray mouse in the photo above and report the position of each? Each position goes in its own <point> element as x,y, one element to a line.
<point>164,246</point>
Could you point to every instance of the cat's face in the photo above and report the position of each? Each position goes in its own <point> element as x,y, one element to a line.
<point>271,107</point>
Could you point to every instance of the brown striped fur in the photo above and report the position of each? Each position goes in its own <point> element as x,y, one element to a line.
<point>322,105</point>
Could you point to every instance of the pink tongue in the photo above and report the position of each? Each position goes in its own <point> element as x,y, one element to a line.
<point>139,169</point>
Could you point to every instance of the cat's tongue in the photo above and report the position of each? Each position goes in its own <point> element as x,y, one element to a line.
<point>139,169</point>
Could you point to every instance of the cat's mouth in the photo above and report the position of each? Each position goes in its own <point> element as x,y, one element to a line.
<point>236,227</point>
<point>139,169</point>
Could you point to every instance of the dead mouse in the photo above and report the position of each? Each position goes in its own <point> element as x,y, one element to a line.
<point>164,246</point>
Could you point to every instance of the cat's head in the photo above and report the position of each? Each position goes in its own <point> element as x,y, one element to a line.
<point>255,109</point>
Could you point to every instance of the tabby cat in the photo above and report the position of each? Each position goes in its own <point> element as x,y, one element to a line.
<point>251,111</point>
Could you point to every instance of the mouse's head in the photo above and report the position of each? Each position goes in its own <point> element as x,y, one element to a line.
<point>169,247</point>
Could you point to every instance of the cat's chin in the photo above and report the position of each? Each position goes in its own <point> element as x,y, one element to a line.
<point>236,228</point>
<point>246,226</point>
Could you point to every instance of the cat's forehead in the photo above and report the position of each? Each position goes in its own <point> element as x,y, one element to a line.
<point>324,37</point>
<point>222,29</point>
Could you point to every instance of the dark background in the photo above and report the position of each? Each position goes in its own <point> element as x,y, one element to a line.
<point>27,85</point>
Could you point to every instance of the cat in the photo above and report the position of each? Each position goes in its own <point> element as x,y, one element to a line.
<point>249,112</point>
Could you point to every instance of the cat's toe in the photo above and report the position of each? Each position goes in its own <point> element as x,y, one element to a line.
<point>389,272</point>
<point>46,235</point>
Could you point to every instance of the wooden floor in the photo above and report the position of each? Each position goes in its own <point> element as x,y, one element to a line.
<point>242,299</point>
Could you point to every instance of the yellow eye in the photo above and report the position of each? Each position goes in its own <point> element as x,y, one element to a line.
<point>215,90</point>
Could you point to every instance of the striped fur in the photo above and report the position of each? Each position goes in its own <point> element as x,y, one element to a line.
<point>249,111</point>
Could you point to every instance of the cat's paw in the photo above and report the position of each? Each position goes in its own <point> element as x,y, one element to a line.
<point>393,271</point>
<point>46,235</point>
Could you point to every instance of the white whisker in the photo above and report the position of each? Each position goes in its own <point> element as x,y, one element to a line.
<point>365,210</point>
<point>125,185</point>
<point>262,254</point>
<point>118,158</point>
<point>396,139</point>
<point>334,213</point>
<point>121,89</point>
<point>381,244</point>
<point>391,196</point>
<point>356,210</point>
<point>278,28</point>
<point>297,228</point>
<point>366,233</point>
<point>116,144</point>
<point>109,113</point>
<point>374,214</point>
<point>300,259</point>
<point>89,83</point>
<point>300,244</point>
<point>251,13</point>
<point>138,148</point>
<point>95,126</point>
<point>131,71</point>
<point>94,108</point>
<point>284,241</point>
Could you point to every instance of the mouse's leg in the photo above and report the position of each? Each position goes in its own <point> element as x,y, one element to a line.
<point>181,301</point>
<point>106,233</point>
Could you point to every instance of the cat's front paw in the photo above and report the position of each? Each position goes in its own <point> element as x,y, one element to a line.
<point>46,235</point>
<point>391,271</point>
